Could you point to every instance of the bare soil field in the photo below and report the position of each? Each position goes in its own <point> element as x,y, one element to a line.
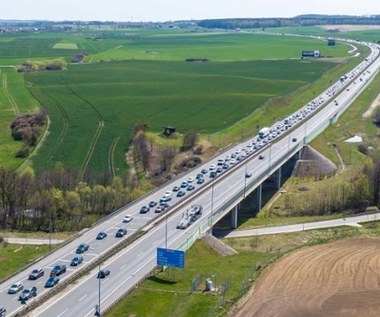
<point>341,278</point>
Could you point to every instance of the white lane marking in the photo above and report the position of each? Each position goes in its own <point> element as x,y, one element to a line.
<point>61,314</point>
<point>123,267</point>
<point>140,254</point>
<point>83,297</point>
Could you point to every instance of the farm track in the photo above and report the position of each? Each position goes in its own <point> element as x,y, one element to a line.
<point>336,279</point>
<point>111,155</point>
<point>9,96</point>
<point>63,131</point>
<point>96,135</point>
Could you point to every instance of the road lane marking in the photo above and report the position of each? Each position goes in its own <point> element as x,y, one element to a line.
<point>123,267</point>
<point>61,314</point>
<point>83,297</point>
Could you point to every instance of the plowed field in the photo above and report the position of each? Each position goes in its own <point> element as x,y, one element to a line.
<point>341,278</point>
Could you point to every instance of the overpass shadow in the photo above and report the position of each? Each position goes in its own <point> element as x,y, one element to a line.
<point>248,208</point>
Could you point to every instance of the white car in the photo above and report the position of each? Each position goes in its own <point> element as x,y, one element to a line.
<point>127,218</point>
<point>190,179</point>
<point>16,287</point>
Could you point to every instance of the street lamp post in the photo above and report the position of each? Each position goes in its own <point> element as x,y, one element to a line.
<point>212,206</point>
<point>245,180</point>
<point>97,307</point>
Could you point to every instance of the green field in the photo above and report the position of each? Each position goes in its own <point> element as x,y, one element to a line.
<point>14,99</point>
<point>216,47</point>
<point>92,105</point>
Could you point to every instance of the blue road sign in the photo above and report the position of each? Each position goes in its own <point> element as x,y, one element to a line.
<point>171,257</point>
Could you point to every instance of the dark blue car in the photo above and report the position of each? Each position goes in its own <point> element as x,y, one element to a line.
<point>52,281</point>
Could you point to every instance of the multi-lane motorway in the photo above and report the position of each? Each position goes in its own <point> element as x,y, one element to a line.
<point>129,266</point>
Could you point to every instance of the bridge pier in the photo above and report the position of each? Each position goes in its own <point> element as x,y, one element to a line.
<point>278,178</point>
<point>259,197</point>
<point>234,216</point>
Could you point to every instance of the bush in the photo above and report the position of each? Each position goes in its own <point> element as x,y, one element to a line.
<point>363,148</point>
<point>22,153</point>
<point>26,127</point>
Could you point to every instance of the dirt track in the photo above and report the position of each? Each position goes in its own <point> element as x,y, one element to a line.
<point>336,279</point>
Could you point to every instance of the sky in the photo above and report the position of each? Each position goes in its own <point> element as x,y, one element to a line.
<point>171,10</point>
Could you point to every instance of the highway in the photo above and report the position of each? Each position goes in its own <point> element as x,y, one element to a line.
<point>137,260</point>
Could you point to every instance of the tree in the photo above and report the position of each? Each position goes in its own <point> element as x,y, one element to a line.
<point>166,157</point>
<point>141,147</point>
<point>189,139</point>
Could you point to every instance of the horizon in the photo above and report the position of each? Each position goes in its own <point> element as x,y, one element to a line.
<point>167,10</point>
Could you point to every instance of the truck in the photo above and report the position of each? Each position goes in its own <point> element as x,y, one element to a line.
<point>264,132</point>
<point>189,216</point>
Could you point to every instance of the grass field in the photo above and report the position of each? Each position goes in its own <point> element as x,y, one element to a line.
<point>216,47</point>
<point>14,100</point>
<point>92,105</point>
<point>246,71</point>
<point>14,257</point>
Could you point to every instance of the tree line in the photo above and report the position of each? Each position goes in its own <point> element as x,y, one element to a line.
<point>33,203</point>
<point>301,20</point>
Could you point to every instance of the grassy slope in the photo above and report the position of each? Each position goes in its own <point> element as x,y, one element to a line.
<point>14,257</point>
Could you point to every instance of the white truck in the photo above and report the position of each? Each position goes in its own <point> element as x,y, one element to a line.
<point>264,132</point>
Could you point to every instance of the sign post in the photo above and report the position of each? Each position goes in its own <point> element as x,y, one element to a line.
<point>171,258</point>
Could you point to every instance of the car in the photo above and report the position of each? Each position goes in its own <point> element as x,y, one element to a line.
<point>190,187</point>
<point>144,209</point>
<point>83,247</point>
<point>294,140</point>
<point>54,280</point>
<point>204,171</point>
<point>164,205</point>
<point>103,273</point>
<point>181,193</point>
<point>2,311</point>
<point>261,157</point>
<point>159,209</point>
<point>200,181</point>
<point>28,293</point>
<point>101,235</point>
<point>184,184</point>
<point>76,260</point>
<point>36,273</point>
<point>199,175</point>
<point>152,203</point>
<point>58,270</point>
<point>248,175</point>
<point>190,179</point>
<point>165,199</point>
<point>175,189</point>
<point>212,174</point>
<point>127,218</point>
<point>121,232</point>
<point>219,170</point>
<point>225,166</point>
<point>15,288</point>
<point>212,167</point>
<point>168,193</point>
